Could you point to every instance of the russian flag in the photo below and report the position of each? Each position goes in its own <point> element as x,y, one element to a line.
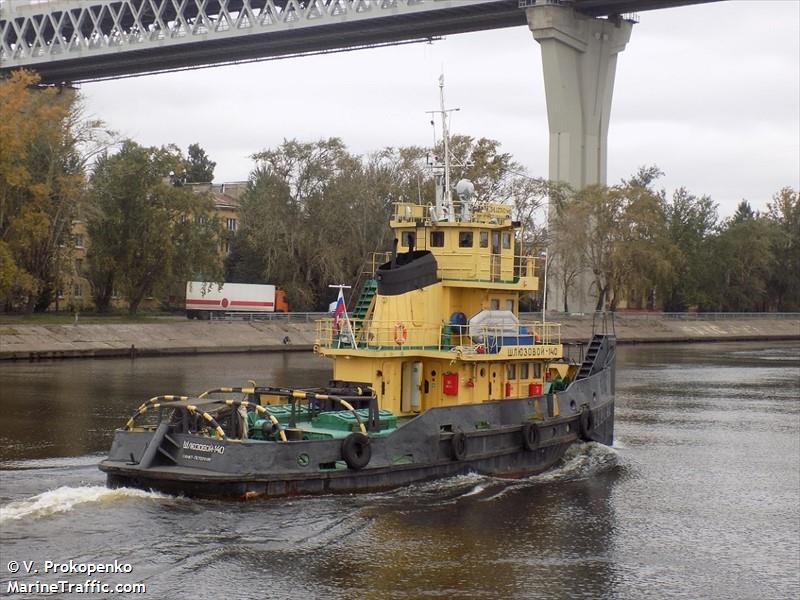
<point>339,310</point>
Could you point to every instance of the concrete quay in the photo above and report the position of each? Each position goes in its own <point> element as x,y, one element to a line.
<point>35,342</point>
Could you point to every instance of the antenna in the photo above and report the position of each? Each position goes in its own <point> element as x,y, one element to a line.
<point>444,195</point>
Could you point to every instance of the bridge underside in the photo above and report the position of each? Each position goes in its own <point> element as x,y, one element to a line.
<point>74,41</point>
<point>116,46</point>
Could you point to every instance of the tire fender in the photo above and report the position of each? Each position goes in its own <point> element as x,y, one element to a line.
<point>586,423</point>
<point>356,451</point>
<point>458,445</point>
<point>530,436</point>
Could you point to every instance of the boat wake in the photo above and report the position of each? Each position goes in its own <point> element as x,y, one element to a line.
<point>580,461</point>
<point>64,499</point>
<point>88,461</point>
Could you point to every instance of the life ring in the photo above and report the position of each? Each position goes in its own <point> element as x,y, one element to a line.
<point>530,436</point>
<point>400,333</point>
<point>356,450</point>
<point>458,445</point>
<point>586,423</point>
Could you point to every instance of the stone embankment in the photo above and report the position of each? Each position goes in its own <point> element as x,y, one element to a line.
<point>31,342</point>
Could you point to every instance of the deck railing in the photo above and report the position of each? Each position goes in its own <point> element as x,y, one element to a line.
<point>376,335</point>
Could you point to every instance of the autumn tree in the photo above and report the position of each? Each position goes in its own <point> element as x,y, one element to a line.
<point>566,242</point>
<point>146,234</point>
<point>46,145</point>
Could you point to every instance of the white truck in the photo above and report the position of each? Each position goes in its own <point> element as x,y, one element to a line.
<point>204,298</point>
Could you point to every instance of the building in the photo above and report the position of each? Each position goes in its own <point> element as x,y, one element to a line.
<point>76,291</point>
<point>226,206</point>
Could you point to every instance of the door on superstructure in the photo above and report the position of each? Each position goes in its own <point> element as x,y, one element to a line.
<point>410,387</point>
<point>495,267</point>
<point>495,381</point>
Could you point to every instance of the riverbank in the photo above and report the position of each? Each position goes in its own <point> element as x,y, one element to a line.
<point>34,342</point>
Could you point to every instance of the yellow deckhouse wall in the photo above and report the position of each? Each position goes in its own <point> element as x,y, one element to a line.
<point>408,353</point>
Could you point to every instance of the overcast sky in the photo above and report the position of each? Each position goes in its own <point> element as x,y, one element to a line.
<point>709,93</point>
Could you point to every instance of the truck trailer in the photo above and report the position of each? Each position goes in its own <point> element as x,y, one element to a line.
<point>205,298</point>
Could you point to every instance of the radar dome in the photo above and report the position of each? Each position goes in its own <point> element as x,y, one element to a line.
<point>465,189</point>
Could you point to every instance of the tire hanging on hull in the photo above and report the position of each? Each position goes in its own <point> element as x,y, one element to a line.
<point>356,451</point>
<point>530,436</point>
<point>458,446</point>
<point>586,424</point>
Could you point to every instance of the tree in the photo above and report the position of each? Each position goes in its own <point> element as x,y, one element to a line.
<point>744,212</point>
<point>691,222</point>
<point>198,168</point>
<point>619,232</point>
<point>46,144</point>
<point>784,282</point>
<point>743,262</point>
<point>566,247</point>
<point>146,234</point>
<point>643,254</point>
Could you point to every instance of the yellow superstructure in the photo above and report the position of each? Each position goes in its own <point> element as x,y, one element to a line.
<point>456,339</point>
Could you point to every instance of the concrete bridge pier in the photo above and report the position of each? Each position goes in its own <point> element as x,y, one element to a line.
<point>579,56</point>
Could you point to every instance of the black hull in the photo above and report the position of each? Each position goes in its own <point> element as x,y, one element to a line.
<point>442,442</point>
<point>511,465</point>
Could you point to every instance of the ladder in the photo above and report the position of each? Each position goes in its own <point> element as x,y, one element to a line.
<point>588,364</point>
<point>368,291</point>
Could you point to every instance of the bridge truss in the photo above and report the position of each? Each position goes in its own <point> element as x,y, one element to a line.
<point>73,40</point>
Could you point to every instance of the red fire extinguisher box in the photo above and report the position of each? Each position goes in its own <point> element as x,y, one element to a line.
<point>450,384</point>
<point>534,389</point>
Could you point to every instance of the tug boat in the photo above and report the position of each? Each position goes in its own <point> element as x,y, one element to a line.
<point>434,375</point>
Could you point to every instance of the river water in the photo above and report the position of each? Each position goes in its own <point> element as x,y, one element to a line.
<point>699,497</point>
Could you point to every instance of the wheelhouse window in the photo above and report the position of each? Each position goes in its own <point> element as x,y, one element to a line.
<point>484,239</point>
<point>523,371</point>
<point>465,239</point>
<point>511,372</point>
<point>510,305</point>
<point>494,303</point>
<point>506,240</point>
<point>437,239</point>
<point>537,370</point>
<point>408,239</point>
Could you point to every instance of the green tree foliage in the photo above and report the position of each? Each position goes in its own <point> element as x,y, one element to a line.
<point>314,212</point>
<point>691,223</point>
<point>45,146</point>
<point>740,271</point>
<point>198,167</point>
<point>147,236</point>
<point>783,214</point>
<point>620,234</point>
<point>310,215</point>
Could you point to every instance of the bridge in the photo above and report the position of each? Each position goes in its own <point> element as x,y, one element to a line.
<point>68,41</point>
<point>87,40</point>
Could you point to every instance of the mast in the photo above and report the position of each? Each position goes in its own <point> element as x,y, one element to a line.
<point>444,195</point>
<point>448,196</point>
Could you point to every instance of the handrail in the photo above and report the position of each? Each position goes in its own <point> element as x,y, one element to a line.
<point>388,335</point>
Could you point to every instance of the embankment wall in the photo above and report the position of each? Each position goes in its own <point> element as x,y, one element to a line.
<point>31,342</point>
